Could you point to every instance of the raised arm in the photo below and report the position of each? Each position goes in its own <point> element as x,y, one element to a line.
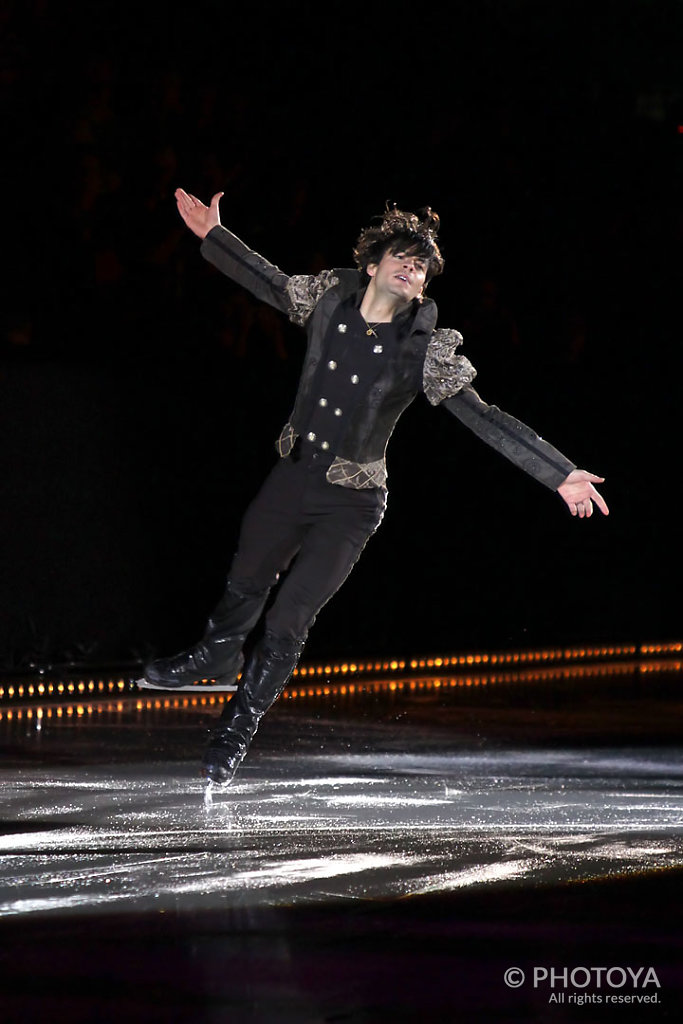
<point>230,255</point>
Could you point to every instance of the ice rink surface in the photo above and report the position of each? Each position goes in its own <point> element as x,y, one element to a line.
<point>385,857</point>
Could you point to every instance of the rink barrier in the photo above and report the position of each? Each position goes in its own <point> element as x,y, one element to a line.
<point>133,704</point>
<point>340,676</point>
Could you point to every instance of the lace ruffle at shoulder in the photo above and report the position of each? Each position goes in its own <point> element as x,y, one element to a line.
<point>445,372</point>
<point>305,292</point>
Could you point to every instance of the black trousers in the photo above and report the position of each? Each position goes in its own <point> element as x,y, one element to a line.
<point>317,530</point>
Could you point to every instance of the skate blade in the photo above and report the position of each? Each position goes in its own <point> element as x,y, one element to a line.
<point>199,687</point>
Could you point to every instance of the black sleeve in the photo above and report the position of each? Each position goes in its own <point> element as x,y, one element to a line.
<point>233,258</point>
<point>513,439</point>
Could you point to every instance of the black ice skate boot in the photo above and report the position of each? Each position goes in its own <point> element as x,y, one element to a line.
<point>218,655</point>
<point>262,682</point>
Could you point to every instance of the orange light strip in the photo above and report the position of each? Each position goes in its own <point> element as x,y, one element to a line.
<point>12,692</point>
<point>353,689</point>
<point>457,661</point>
<point>532,675</point>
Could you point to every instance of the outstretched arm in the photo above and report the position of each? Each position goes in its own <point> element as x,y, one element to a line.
<point>230,255</point>
<point>531,453</point>
<point>579,494</point>
<point>511,438</point>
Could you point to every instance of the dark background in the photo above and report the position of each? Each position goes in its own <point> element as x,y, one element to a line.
<point>140,392</point>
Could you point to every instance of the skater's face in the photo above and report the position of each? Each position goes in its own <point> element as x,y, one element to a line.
<point>400,274</point>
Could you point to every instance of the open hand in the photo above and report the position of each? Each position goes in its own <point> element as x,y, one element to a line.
<point>198,217</point>
<point>579,494</point>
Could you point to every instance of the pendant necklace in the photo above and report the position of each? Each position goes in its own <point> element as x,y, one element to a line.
<point>372,333</point>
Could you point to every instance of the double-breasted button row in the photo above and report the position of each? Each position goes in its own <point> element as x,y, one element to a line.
<point>311,436</point>
<point>324,403</point>
<point>354,378</point>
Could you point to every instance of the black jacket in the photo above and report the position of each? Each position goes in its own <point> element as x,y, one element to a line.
<point>425,361</point>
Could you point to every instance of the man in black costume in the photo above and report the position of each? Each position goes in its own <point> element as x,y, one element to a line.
<point>373,345</point>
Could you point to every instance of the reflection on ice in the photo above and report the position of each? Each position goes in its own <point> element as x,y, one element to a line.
<point>290,872</point>
<point>528,760</point>
<point>477,875</point>
<point>208,796</point>
<point>298,825</point>
<point>150,842</point>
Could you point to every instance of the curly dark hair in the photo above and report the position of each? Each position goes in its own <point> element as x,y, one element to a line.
<point>399,231</point>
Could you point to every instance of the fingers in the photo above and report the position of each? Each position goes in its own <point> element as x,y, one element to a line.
<point>600,502</point>
<point>580,494</point>
<point>582,509</point>
<point>187,202</point>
